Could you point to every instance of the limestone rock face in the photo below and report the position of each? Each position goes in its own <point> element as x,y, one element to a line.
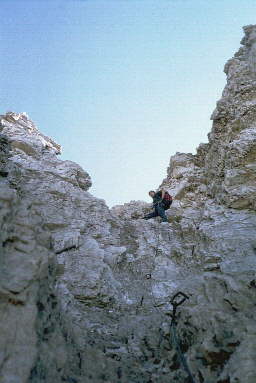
<point>132,210</point>
<point>85,291</point>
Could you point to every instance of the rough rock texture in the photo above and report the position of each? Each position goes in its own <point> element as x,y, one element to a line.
<point>85,291</point>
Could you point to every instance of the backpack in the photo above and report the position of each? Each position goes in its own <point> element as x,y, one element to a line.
<point>167,200</point>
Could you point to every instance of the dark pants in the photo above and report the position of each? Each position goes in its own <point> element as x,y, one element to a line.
<point>158,211</point>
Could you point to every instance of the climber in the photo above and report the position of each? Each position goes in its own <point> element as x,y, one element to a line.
<point>161,202</point>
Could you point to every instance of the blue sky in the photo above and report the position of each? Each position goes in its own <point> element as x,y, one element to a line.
<point>122,85</point>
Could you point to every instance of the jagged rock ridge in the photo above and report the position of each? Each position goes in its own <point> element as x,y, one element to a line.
<point>84,290</point>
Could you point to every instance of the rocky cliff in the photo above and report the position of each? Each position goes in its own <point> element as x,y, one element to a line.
<point>85,291</point>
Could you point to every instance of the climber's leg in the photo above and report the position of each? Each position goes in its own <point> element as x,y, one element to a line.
<point>161,212</point>
<point>151,215</point>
